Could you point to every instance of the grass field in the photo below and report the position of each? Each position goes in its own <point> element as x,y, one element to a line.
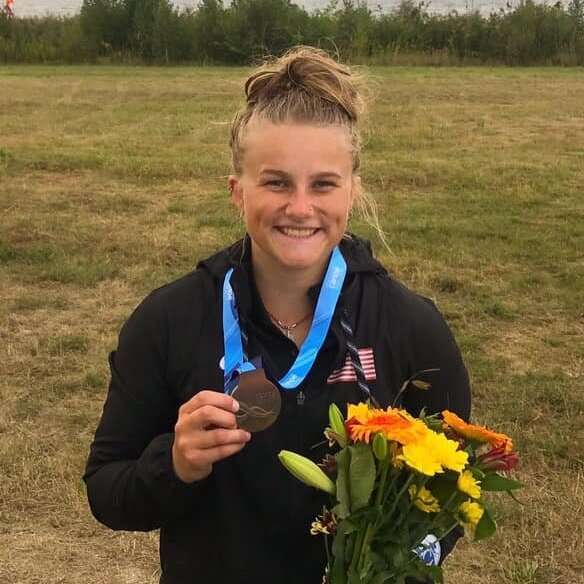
<point>113,181</point>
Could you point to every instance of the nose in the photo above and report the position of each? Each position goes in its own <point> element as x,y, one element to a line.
<point>299,204</point>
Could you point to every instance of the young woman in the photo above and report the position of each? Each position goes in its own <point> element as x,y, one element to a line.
<point>301,306</point>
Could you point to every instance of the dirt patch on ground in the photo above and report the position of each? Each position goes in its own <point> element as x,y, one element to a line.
<point>544,347</point>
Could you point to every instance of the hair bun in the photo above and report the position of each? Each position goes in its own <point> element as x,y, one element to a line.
<point>304,85</point>
<point>309,70</point>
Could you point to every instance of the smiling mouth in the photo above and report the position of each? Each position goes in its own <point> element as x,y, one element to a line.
<point>298,232</point>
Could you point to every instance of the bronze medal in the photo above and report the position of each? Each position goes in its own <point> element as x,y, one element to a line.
<point>259,401</point>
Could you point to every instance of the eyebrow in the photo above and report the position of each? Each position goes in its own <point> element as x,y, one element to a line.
<point>284,174</point>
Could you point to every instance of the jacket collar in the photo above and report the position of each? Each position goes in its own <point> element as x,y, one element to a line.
<point>356,251</point>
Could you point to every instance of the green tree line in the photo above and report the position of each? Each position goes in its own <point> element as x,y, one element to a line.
<point>240,32</point>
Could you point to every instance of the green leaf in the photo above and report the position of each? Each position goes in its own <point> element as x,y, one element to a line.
<point>496,482</point>
<point>419,384</point>
<point>346,526</point>
<point>478,473</point>
<point>354,577</point>
<point>361,475</point>
<point>338,569</point>
<point>343,458</point>
<point>512,495</point>
<point>442,487</point>
<point>485,527</point>
<point>381,577</point>
<point>338,547</point>
<point>435,572</point>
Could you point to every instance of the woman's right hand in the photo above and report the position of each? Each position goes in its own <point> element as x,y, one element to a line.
<point>205,432</point>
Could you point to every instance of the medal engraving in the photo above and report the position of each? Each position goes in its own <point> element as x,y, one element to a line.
<point>259,401</point>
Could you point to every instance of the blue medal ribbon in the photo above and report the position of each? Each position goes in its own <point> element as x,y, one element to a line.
<point>235,362</point>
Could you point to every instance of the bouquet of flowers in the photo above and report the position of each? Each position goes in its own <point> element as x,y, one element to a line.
<point>398,486</point>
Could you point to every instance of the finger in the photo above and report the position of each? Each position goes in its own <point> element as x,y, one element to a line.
<point>213,455</point>
<point>209,397</point>
<point>211,416</point>
<point>221,437</point>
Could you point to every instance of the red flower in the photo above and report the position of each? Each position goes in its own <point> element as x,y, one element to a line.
<point>498,459</point>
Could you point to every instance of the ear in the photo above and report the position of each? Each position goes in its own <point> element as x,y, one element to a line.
<point>236,191</point>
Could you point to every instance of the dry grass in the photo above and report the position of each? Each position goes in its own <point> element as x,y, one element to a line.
<point>112,181</point>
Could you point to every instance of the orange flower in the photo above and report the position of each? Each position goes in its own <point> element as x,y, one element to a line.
<point>393,423</point>
<point>478,433</point>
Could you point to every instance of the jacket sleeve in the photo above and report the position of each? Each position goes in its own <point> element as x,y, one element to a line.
<point>129,476</point>
<point>432,346</point>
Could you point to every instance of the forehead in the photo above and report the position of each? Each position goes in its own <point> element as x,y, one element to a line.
<point>297,147</point>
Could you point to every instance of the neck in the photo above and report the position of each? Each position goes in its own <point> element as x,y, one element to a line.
<point>284,292</point>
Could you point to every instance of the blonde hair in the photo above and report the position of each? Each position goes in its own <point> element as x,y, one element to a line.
<point>306,85</point>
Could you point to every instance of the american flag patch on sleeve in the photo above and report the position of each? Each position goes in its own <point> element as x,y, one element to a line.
<point>347,371</point>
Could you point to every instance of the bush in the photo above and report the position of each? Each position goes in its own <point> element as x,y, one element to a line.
<point>154,31</point>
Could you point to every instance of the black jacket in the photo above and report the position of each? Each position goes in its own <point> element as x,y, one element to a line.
<point>249,521</point>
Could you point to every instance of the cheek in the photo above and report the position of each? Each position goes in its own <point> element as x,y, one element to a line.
<point>344,209</point>
<point>254,212</point>
<point>259,205</point>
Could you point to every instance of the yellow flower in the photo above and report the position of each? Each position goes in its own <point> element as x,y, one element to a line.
<point>434,453</point>
<point>470,514</point>
<point>423,499</point>
<point>467,484</point>
<point>478,433</point>
<point>418,457</point>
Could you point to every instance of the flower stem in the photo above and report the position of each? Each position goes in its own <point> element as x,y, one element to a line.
<point>366,540</point>
<point>411,503</point>
<point>384,472</point>
<point>399,495</point>
<point>357,551</point>
<point>452,527</point>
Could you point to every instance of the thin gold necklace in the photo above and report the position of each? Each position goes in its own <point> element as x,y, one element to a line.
<point>288,328</point>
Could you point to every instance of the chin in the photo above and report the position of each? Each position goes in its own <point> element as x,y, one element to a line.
<point>296,254</point>
<point>292,262</point>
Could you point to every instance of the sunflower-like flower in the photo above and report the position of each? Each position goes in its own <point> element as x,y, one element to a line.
<point>393,423</point>
<point>468,485</point>
<point>469,514</point>
<point>423,499</point>
<point>478,433</point>
<point>433,453</point>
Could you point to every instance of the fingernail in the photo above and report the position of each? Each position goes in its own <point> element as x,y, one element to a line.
<point>235,406</point>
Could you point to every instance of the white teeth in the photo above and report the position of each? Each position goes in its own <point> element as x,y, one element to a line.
<point>298,231</point>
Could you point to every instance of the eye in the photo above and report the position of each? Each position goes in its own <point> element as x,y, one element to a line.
<point>276,184</point>
<point>324,185</point>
